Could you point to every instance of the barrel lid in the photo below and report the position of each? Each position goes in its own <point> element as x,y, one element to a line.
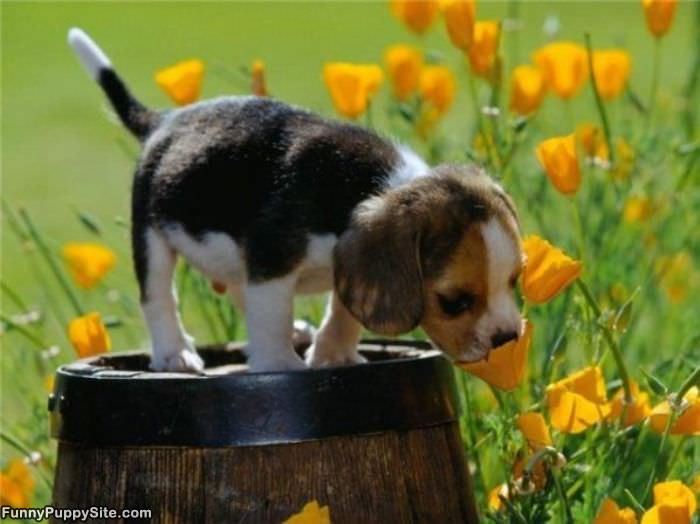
<point>114,400</point>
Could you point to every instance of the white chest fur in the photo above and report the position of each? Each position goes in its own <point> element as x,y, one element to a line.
<point>221,259</point>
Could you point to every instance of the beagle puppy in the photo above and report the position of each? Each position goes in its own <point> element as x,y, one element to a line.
<point>269,200</point>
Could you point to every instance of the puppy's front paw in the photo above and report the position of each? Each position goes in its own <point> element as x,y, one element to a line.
<point>317,357</point>
<point>185,360</point>
<point>279,361</point>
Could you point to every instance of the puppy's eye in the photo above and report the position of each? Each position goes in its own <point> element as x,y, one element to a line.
<point>454,306</point>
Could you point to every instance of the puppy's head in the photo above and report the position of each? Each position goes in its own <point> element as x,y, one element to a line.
<point>442,252</point>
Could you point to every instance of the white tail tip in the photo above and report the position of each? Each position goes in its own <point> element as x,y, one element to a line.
<point>89,53</point>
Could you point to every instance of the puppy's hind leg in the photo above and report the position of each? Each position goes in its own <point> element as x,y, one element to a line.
<point>269,308</point>
<point>173,349</point>
<point>335,343</point>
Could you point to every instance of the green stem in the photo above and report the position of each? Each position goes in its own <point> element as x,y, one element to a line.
<point>569,518</point>
<point>609,338</point>
<point>41,344</point>
<point>48,256</point>
<point>657,462</point>
<point>493,159</point>
<point>692,380</point>
<point>654,81</point>
<point>599,101</point>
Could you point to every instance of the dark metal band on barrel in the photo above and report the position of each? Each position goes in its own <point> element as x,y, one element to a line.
<point>96,403</point>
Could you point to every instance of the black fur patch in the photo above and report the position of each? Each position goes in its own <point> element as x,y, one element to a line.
<point>261,171</point>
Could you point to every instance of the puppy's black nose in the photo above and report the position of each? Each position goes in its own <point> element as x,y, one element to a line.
<point>502,337</point>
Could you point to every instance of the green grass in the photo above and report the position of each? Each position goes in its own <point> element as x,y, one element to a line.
<point>63,153</point>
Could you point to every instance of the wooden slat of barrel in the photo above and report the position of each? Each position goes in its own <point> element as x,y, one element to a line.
<point>414,475</point>
<point>422,471</point>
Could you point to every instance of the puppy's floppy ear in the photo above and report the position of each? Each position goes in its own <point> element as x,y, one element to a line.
<point>377,266</point>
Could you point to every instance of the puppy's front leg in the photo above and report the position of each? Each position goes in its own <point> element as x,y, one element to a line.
<point>335,343</point>
<point>269,313</point>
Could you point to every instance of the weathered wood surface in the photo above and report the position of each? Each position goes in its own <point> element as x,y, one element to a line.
<point>416,476</point>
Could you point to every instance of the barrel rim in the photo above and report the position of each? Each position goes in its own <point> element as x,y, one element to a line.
<point>93,405</point>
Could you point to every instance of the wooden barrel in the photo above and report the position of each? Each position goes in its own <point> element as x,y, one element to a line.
<point>376,443</point>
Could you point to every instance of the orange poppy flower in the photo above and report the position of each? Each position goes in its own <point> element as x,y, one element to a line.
<point>484,47</point>
<point>417,15</point>
<point>688,423</point>
<point>610,513</point>
<point>459,19</point>
<point>559,159</point>
<point>312,513</point>
<point>564,66</point>
<point>659,15</point>
<point>351,86</point>
<point>578,401</point>
<point>88,263</point>
<point>89,335</point>
<point>16,484</point>
<point>437,87</point>
<point>182,82</point>
<point>527,89</point>
<point>404,64</point>
<point>612,70</point>
<point>534,429</point>
<point>505,366</point>
<point>548,270</point>
<point>637,410</point>
<point>258,84</point>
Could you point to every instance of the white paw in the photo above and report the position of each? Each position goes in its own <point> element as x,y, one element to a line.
<point>285,360</point>
<point>303,334</point>
<point>185,360</point>
<point>319,358</point>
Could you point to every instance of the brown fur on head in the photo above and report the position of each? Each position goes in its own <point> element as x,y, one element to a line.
<point>442,252</point>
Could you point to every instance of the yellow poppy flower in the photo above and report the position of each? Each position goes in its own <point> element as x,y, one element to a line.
<point>87,262</point>
<point>534,429</point>
<point>459,19</point>
<point>638,209</point>
<point>311,514</point>
<point>417,15</point>
<point>564,67</point>
<point>484,47</point>
<point>404,64</point>
<point>559,159</point>
<point>437,87</point>
<point>89,335</point>
<point>688,423</point>
<point>675,491</point>
<point>659,15</point>
<point>548,270</point>
<point>182,82</point>
<point>16,484</point>
<point>578,401</point>
<point>352,86</point>
<point>258,84</point>
<point>666,513</point>
<point>612,70</point>
<point>610,513</point>
<point>505,366</point>
<point>527,89</point>
<point>637,410</point>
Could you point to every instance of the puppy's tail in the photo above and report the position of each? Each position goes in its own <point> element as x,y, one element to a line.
<point>135,116</point>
